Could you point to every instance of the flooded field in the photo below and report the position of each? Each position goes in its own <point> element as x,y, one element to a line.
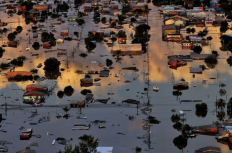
<point>115,88</point>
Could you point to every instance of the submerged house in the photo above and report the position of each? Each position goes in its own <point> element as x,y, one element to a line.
<point>33,97</point>
<point>12,44</point>
<point>19,75</point>
<point>212,128</point>
<point>40,8</point>
<point>77,103</point>
<point>181,85</point>
<point>87,81</point>
<point>36,87</point>
<point>124,48</point>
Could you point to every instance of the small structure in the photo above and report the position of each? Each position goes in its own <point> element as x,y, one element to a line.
<point>104,73</point>
<point>195,56</point>
<point>64,32</point>
<point>35,35</point>
<point>126,47</point>
<point>2,24</point>
<point>89,97</point>
<point>122,40</point>
<point>187,45</point>
<point>209,149</point>
<point>36,87</point>
<point>61,53</point>
<point>105,149</point>
<point>77,103</point>
<point>196,70</point>
<point>40,8</point>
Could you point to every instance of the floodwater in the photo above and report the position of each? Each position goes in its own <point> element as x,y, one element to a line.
<point>163,101</point>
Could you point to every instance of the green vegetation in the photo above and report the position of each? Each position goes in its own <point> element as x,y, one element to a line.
<point>87,145</point>
<point>153,120</point>
<point>51,64</point>
<point>211,61</point>
<point>177,126</point>
<point>60,94</point>
<point>201,107</point>
<point>180,141</point>
<point>34,71</point>
<point>79,72</point>
<point>68,91</point>
<point>175,118</point>
<point>197,49</point>
<point>109,62</point>
<point>11,36</point>
<point>121,34</point>
<point>4,66</point>
<point>62,7</point>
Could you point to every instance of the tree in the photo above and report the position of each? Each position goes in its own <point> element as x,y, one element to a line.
<point>68,91</point>
<point>62,7</point>
<point>11,36</point>
<point>121,34</point>
<point>222,92</point>
<point>66,109</point>
<point>138,149</point>
<point>113,39</point>
<point>51,64</point>
<point>177,126</point>
<point>211,61</point>
<point>19,29</point>
<point>197,49</point>
<point>180,141</point>
<point>220,103</point>
<point>83,55</point>
<point>175,118</point>
<point>103,20</point>
<point>60,94</point>
<point>142,28</point>
<point>1,51</point>
<point>109,62</point>
<point>201,107</point>
<point>76,33</point>
<point>36,45</point>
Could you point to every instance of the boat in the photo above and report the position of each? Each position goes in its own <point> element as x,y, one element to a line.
<point>131,101</point>
<point>127,81</point>
<point>129,68</point>
<point>39,65</point>
<point>102,100</point>
<point>81,127</point>
<point>155,88</point>
<point>97,79</point>
<point>101,127</point>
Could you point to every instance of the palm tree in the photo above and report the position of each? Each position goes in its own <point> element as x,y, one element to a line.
<point>118,58</point>
<point>66,109</point>
<point>220,103</point>
<point>221,115</point>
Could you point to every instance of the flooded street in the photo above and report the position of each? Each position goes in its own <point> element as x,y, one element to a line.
<point>115,115</point>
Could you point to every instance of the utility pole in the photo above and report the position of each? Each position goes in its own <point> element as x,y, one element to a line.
<point>148,68</point>
<point>5,107</point>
